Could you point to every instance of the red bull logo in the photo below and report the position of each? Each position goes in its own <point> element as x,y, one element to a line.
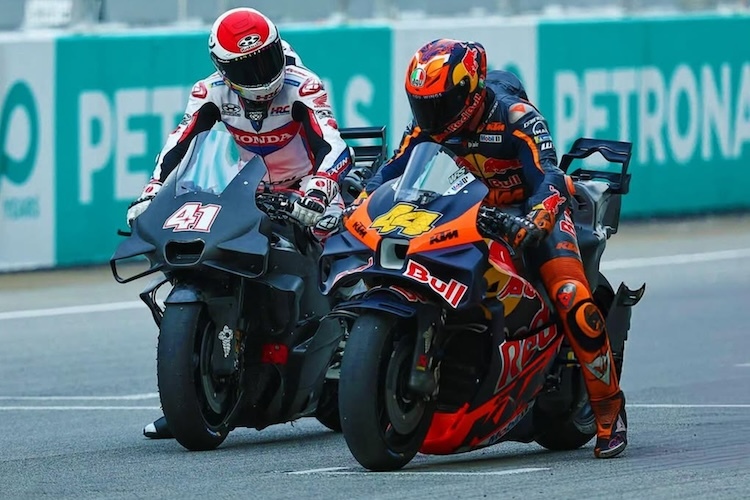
<point>470,62</point>
<point>516,356</point>
<point>495,165</point>
<point>567,225</point>
<point>452,291</point>
<point>553,202</point>
<point>517,288</point>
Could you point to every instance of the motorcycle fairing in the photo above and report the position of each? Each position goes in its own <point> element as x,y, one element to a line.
<point>227,247</point>
<point>447,259</point>
<point>516,371</point>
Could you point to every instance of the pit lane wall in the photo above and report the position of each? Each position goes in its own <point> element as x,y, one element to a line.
<point>83,116</point>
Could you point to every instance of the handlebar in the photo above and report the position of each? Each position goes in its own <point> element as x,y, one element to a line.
<point>491,221</point>
<point>495,224</point>
<point>277,204</point>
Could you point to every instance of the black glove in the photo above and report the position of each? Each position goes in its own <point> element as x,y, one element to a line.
<point>518,232</point>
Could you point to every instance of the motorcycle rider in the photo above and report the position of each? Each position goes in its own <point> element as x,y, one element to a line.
<point>274,107</point>
<point>487,120</point>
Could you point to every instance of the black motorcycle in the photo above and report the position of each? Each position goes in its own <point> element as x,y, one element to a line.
<point>243,335</point>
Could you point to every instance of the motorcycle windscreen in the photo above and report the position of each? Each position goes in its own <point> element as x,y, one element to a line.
<point>211,162</point>
<point>431,172</point>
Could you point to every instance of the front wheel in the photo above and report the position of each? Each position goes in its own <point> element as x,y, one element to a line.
<point>196,403</point>
<point>384,423</point>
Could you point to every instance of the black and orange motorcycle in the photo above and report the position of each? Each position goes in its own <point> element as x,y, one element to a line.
<point>454,345</point>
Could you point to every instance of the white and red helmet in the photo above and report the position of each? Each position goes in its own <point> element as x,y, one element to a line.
<point>246,49</point>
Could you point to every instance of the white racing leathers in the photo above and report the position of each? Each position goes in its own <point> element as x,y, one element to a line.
<point>298,138</point>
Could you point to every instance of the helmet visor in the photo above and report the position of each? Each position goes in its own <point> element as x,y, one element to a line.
<point>253,70</point>
<point>434,113</point>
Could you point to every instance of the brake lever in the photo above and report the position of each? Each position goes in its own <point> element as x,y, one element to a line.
<point>278,206</point>
<point>488,221</point>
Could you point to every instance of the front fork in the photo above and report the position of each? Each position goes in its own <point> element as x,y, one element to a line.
<point>425,369</point>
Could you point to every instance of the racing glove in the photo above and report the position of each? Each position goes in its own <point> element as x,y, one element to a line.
<point>144,200</point>
<point>518,232</point>
<point>318,193</point>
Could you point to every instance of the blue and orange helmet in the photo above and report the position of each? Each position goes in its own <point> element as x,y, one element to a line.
<point>445,85</point>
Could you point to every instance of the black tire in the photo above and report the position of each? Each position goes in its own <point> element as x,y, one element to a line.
<point>565,434</point>
<point>579,427</point>
<point>195,404</point>
<point>327,411</point>
<point>376,362</point>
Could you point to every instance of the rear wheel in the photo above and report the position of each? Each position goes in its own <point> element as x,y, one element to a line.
<point>196,403</point>
<point>384,423</point>
<point>575,428</point>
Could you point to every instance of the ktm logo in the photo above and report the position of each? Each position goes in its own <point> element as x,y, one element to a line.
<point>443,236</point>
<point>495,127</point>
<point>360,229</point>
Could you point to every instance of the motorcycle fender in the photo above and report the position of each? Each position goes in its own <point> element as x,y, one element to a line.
<point>618,319</point>
<point>185,293</point>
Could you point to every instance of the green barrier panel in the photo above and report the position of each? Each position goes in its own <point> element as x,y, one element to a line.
<point>678,88</point>
<point>26,154</point>
<point>118,97</point>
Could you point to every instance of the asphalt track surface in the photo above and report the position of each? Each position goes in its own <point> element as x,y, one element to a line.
<point>77,383</point>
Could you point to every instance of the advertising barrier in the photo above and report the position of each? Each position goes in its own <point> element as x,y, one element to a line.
<point>679,89</point>
<point>27,156</point>
<point>81,126</point>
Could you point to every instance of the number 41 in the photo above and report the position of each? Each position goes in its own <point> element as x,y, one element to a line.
<point>193,217</point>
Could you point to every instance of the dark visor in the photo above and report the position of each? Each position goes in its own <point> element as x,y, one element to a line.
<point>433,114</point>
<point>256,69</point>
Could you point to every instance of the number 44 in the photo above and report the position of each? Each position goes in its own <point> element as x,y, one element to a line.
<point>193,217</point>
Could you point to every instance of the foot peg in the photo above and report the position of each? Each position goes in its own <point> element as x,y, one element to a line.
<point>627,297</point>
<point>618,319</point>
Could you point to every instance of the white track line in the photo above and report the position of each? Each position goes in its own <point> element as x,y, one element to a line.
<point>61,311</point>
<point>666,260</point>
<point>77,408</point>
<point>742,365</point>
<point>629,405</point>
<point>315,471</point>
<point>343,471</point>
<point>128,397</point>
